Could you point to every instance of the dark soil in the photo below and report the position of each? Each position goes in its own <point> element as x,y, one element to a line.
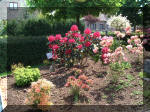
<point>101,92</point>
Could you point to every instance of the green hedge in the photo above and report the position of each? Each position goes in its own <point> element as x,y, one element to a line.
<point>26,50</point>
<point>3,54</point>
<point>39,27</point>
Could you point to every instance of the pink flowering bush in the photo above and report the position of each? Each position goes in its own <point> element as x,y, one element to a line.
<point>39,93</point>
<point>76,84</point>
<point>135,45</point>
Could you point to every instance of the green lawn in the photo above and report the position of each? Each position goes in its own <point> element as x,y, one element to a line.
<point>5,74</point>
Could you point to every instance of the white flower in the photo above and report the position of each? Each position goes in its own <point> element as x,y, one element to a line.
<point>118,22</point>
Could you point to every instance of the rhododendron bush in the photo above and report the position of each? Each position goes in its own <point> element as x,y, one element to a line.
<point>74,46</point>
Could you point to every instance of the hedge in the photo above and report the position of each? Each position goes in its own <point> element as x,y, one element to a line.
<point>39,27</point>
<point>3,54</point>
<point>29,50</point>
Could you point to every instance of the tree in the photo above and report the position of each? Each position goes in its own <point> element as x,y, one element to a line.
<point>75,8</point>
<point>133,9</point>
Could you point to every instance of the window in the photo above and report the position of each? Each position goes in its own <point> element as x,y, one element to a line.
<point>101,27</point>
<point>13,5</point>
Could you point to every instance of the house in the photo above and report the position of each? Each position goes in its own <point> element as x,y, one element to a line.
<point>96,23</point>
<point>15,9</point>
<point>10,5</point>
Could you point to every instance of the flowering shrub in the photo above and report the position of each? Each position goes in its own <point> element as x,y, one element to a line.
<point>106,43</point>
<point>118,22</point>
<point>76,84</point>
<point>39,93</point>
<point>74,45</point>
<point>135,45</point>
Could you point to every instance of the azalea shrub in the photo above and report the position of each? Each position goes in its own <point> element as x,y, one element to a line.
<point>76,84</point>
<point>74,46</point>
<point>39,94</point>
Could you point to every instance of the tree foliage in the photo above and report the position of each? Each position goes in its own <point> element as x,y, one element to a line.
<point>75,8</point>
<point>133,9</point>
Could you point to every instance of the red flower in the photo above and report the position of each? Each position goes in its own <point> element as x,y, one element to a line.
<point>68,51</point>
<point>87,44</point>
<point>81,39</point>
<point>87,31</point>
<point>64,40</point>
<point>105,50</point>
<point>51,38</point>
<point>55,47</point>
<point>96,34</point>
<point>58,37</point>
<point>71,41</point>
<point>75,35</point>
<point>74,28</point>
<point>103,56</point>
<point>50,45</point>
<point>79,46</point>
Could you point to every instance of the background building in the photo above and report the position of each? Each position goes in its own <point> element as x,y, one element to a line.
<point>96,23</point>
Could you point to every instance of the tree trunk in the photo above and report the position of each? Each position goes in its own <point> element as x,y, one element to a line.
<point>78,20</point>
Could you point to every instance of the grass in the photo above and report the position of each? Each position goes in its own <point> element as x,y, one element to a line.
<point>5,74</point>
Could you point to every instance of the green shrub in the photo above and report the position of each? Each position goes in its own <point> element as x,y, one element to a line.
<point>12,28</point>
<point>24,76</point>
<point>3,54</point>
<point>26,50</point>
<point>3,25</point>
<point>38,27</point>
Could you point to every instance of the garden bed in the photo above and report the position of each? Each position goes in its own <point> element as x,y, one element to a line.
<point>102,92</point>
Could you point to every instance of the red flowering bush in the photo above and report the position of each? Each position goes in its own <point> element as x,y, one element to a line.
<point>74,46</point>
<point>76,84</point>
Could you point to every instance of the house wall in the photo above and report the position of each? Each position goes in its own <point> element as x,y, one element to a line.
<point>97,26</point>
<point>4,5</point>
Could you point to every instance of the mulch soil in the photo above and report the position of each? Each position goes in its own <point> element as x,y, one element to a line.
<point>101,92</point>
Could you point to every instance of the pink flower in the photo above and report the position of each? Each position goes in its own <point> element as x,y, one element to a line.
<point>67,84</point>
<point>127,28</point>
<point>64,40</point>
<point>129,47</point>
<point>55,47</point>
<point>81,39</point>
<point>80,46</point>
<point>87,44</point>
<point>75,35</point>
<point>129,41</point>
<point>105,50</point>
<point>55,57</point>
<point>66,34</point>
<point>95,50</point>
<point>74,28</point>
<point>51,38</point>
<point>58,37</point>
<point>96,34</point>
<point>71,41</point>
<point>68,51</point>
<point>37,90</point>
<point>87,31</point>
